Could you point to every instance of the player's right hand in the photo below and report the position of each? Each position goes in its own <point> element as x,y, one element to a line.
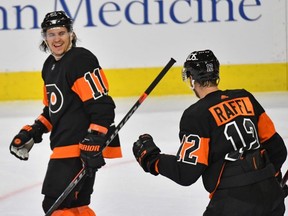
<point>146,153</point>
<point>22,143</point>
<point>91,148</point>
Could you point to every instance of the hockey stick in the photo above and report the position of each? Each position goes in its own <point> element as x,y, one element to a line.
<point>82,172</point>
<point>284,179</point>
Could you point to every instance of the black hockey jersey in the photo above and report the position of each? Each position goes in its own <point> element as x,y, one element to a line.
<point>76,98</point>
<point>220,123</point>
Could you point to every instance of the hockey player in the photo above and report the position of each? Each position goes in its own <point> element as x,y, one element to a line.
<point>78,112</point>
<point>228,139</point>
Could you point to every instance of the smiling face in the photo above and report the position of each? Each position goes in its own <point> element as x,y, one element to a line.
<point>59,41</point>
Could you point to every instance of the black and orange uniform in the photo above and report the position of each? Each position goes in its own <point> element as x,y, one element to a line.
<point>76,99</point>
<point>228,139</point>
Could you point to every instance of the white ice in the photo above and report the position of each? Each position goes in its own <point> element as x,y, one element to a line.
<point>122,188</point>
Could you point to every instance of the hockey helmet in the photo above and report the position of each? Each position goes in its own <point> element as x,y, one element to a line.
<point>202,65</point>
<point>56,19</point>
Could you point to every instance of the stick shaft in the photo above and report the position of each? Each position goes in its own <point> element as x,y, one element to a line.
<point>284,179</point>
<point>67,191</point>
<point>141,99</point>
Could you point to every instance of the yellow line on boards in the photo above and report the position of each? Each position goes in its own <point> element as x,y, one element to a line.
<point>134,81</point>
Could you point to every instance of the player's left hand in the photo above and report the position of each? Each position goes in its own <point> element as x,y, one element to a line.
<point>146,153</point>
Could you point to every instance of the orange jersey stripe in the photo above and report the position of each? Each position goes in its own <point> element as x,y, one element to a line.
<point>66,152</point>
<point>228,110</point>
<point>112,152</point>
<point>82,88</point>
<point>45,99</point>
<point>91,87</point>
<point>74,151</point>
<point>45,122</point>
<point>203,151</point>
<point>194,150</point>
<point>266,128</point>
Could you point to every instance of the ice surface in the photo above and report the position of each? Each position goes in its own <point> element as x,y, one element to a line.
<point>121,188</point>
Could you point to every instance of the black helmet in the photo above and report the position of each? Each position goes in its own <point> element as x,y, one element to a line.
<point>202,65</point>
<point>56,19</point>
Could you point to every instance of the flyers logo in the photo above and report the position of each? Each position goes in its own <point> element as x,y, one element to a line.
<point>55,98</point>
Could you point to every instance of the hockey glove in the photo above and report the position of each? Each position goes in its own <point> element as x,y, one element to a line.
<point>25,139</point>
<point>91,152</point>
<point>146,153</point>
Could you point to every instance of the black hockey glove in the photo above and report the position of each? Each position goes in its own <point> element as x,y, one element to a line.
<point>25,139</point>
<point>91,152</point>
<point>146,153</point>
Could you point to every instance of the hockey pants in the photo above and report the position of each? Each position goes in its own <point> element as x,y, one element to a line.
<point>264,198</point>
